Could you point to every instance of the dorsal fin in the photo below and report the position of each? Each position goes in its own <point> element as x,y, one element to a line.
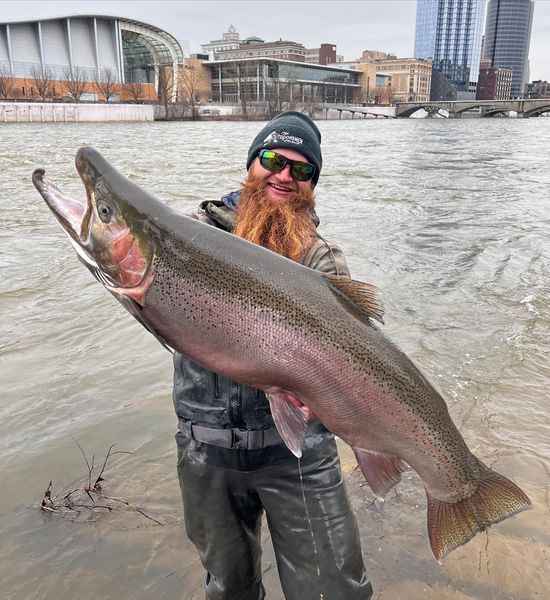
<point>363,295</point>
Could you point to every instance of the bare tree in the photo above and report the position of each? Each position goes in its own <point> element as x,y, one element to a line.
<point>242,77</point>
<point>272,98</point>
<point>166,87</point>
<point>106,83</point>
<point>43,81</point>
<point>383,95</point>
<point>311,105</point>
<point>75,79</point>
<point>135,92</point>
<point>189,88</point>
<point>290,94</point>
<point>7,83</point>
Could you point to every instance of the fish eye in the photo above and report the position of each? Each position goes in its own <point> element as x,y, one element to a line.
<point>104,211</point>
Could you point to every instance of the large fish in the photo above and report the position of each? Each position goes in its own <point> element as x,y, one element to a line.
<point>303,337</point>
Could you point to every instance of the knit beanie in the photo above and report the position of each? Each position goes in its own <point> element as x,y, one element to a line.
<point>293,130</point>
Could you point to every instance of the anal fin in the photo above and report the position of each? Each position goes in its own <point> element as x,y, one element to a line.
<point>382,471</point>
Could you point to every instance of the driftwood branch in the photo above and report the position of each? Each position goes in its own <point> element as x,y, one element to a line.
<point>90,497</point>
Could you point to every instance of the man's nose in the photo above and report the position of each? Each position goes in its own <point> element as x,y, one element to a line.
<point>285,175</point>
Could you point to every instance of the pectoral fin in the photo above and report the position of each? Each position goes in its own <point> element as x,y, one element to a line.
<point>289,418</point>
<point>382,471</point>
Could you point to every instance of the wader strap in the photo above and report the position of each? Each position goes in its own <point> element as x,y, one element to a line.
<point>246,439</point>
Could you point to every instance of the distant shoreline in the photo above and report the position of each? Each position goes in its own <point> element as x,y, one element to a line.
<point>64,112</point>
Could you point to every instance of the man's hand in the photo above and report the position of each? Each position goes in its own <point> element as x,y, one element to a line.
<point>308,414</point>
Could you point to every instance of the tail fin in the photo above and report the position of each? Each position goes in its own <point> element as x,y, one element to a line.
<point>452,524</point>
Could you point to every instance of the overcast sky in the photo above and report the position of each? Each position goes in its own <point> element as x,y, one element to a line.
<point>353,26</point>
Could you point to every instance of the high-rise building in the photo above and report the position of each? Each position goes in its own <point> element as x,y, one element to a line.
<point>507,39</point>
<point>449,33</point>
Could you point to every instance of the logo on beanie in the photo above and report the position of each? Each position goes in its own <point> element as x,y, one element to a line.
<point>282,137</point>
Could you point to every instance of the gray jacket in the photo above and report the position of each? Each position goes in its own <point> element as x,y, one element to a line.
<point>206,398</point>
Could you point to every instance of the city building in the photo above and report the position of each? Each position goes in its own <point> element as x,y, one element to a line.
<point>507,39</point>
<point>230,41</point>
<point>376,86</point>
<point>410,79</point>
<point>370,55</point>
<point>324,55</point>
<point>87,58</point>
<point>345,64</point>
<point>280,81</point>
<point>494,83</point>
<point>256,48</point>
<point>538,89</point>
<point>448,32</point>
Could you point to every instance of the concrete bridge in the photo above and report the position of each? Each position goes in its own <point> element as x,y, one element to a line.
<point>362,112</point>
<point>486,108</point>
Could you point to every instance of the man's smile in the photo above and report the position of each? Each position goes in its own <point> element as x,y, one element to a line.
<point>279,189</point>
<point>278,186</point>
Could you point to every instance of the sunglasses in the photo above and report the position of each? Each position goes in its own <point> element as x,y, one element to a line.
<point>300,171</point>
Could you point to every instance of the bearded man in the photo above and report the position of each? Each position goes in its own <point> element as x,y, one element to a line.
<point>232,463</point>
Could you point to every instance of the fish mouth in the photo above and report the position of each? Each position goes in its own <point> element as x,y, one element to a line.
<point>73,215</point>
<point>70,212</point>
<point>117,251</point>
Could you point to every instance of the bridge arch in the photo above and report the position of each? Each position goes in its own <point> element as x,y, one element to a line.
<point>535,112</point>
<point>462,109</point>
<point>494,112</point>
<point>411,110</point>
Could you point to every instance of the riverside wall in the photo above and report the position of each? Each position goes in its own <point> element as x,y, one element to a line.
<point>64,112</point>
<point>257,111</point>
<point>51,112</point>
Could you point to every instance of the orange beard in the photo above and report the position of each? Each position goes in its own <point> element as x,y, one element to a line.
<point>284,227</point>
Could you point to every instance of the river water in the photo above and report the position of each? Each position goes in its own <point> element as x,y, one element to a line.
<point>450,219</point>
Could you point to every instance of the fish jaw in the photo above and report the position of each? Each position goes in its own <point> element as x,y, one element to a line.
<point>70,212</point>
<point>72,215</point>
<point>113,251</point>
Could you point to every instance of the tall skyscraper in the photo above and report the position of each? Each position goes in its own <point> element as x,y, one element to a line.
<point>449,32</point>
<point>507,39</point>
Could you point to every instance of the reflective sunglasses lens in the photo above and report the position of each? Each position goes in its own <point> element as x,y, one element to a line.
<point>272,161</point>
<point>302,171</point>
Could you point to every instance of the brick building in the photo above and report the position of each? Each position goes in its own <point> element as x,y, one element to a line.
<point>494,83</point>
<point>254,47</point>
<point>324,55</point>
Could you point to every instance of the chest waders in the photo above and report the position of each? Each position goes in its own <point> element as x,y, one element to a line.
<point>233,466</point>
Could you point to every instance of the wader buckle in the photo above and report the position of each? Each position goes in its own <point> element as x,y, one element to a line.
<point>248,439</point>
